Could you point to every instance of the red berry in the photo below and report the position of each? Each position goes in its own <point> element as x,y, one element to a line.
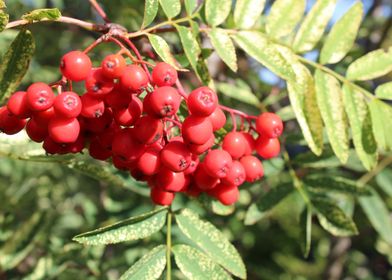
<point>97,84</point>
<point>148,130</point>
<point>218,163</point>
<point>176,156</point>
<point>98,125</point>
<point>129,115</point>
<point>164,74</point>
<point>97,151</point>
<point>267,147</point>
<point>40,97</point>
<point>68,105</point>
<point>52,147</point>
<point>164,102</point>
<point>63,130</point>
<point>170,181</point>
<point>119,162</point>
<point>118,99</point>
<point>193,165</point>
<point>134,78</point>
<point>202,102</point>
<point>113,66</point>
<point>10,124</point>
<point>203,180</point>
<point>250,143</point>
<point>161,197</point>
<point>193,190</point>
<point>269,125</point>
<point>150,162</point>
<point>227,194</point>
<point>235,144</point>
<point>236,175</point>
<point>125,145</point>
<point>36,131</point>
<point>196,130</point>
<point>200,149</point>
<point>18,105</point>
<point>43,117</point>
<point>92,107</point>
<point>218,119</point>
<point>75,66</point>
<point>77,146</point>
<point>253,168</point>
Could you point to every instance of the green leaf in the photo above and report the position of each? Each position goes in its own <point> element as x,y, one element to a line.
<point>247,12</point>
<point>333,219</point>
<point>14,63</point>
<point>361,126</point>
<point>302,95</point>
<point>191,46</point>
<point>211,241</point>
<point>217,11</point>
<point>370,66</point>
<point>272,198</point>
<point>216,207</point>
<point>384,179</point>
<point>238,93</point>
<point>313,26</point>
<point>204,74</point>
<point>378,215</point>
<point>2,4</point>
<point>224,46</point>
<point>4,18</point>
<point>260,48</point>
<point>163,50</point>
<point>149,267</point>
<point>190,6</point>
<point>197,266</point>
<point>327,183</point>
<point>284,17</point>
<point>384,91</point>
<point>130,229</point>
<point>171,7</point>
<point>342,36</point>
<point>150,12</point>
<point>42,15</point>
<point>330,102</point>
<point>305,221</point>
<point>382,129</point>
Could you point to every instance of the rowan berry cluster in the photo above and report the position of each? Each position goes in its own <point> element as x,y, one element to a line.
<point>131,117</point>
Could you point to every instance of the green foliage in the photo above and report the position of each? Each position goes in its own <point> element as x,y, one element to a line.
<point>217,11</point>
<point>224,46</point>
<point>163,50</point>
<point>171,7</point>
<point>247,12</point>
<point>42,15</point>
<point>150,12</point>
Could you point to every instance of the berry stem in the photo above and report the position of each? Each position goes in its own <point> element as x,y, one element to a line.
<point>99,10</point>
<point>181,90</point>
<point>176,122</point>
<point>168,245</point>
<point>237,112</point>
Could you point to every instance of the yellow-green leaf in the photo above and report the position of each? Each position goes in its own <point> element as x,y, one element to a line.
<point>150,12</point>
<point>305,221</point>
<point>370,66</point>
<point>190,45</point>
<point>330,102</point>
<point>131,229</point>
<point>247,12</point>
<point>313,26</point>
<point>211,241</point>
<point>260,48</point>
<point>224,46</point>
<point>2,4</point>
<point>15,62</point>
<point>382,128</point>
<point>163,50</point>
<point>149,267</point>
<point>197,266</point>
<point>4,18</point>
<point>284,17</point>
<point>190,6</point>
<point>217,11</point>
<point>361,126</point>
<point>42,14</point>
<point>342,36</point>
<point>238,93</point>
<point>171,7</point>
<point>384,91</point>
<point>327,183</point>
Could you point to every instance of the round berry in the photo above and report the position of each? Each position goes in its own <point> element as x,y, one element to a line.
<point>36,131</point>
<point>119,162</point>
<point>10,124</point>
<point>134,78</point>
<point>129,115</point>
<point>118,99</point>
<point>113,66</point>
<point>250,143</point>
<point>77,146</point>
<point>40,97</point>
<point>236,175</point>
<point>125,145</point>
<point>218,163</point>
<point>161,197</point>
<point>67,105</point>
<point>218,119</point>
<point>269,125</point>
<point>227,194</point>
<point>193,165</point>
<point>75,66</point>
<point>202,102</point>
<point>196,130</point>
<point>164,74</point>
<point>18,105</point>
<point>43,117</point>
<point>253,168</point>
<point>176,156</point>
<point>63,130</point>
<point>164,102</point>
<point>203,180</point>
<point>267,147</point>
<point>200,149</point>
<point>52,147</point>
<point>148,130</point>
<point>92,107</point>
<point>150,161</point>
<point>97,151</point>
<point>235,144</point>
<point>98,125</point>
<point>97,84</point>
<point>170,181</point>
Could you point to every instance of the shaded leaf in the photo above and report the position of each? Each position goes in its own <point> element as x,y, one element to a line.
<point>215,206</point>
<point>171,7</point>
<point>370,66</point>
<point>384,179</point>
<point>313,26</point>
<point>238,93</point>
<point>163,50</point>
<point>332,218</point>
<point>378,215</point>
<point>14,63</point>
<point>361,126</point>
<point>4,18</point>
<point>149,267</point>
<point>211,241</point>
<point>327,183</point>
<point>197,266</point>
<point>42,14</point>
<point>130,229</point>
<point>150,12</point>
<point>247,12</point>
<point>260,48</point>
<point>305,221</point>
<point>224,46</point>
<point>284,17</point>
<point>190,6</point>
<point>384,91</point>
<point>342,36</point>
<point>382,129</point>
<point>217,11</point>
<point>330,102</point>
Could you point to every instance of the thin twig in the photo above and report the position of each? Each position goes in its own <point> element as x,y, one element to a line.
<point>99,10</point>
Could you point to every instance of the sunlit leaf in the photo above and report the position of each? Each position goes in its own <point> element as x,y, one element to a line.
<point>171,7</point>
<point>217,11</point>
<point>384,91</point>
<point>150,12</point>
<point>4,18</point>
<point>382,129</point>
<point>384,179</point>
<point>42,14</point>
<point>224,46</point>
<point>238,93</point>
<point>190,45</point>
<point>247,12</point>
<point>163,50</point>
